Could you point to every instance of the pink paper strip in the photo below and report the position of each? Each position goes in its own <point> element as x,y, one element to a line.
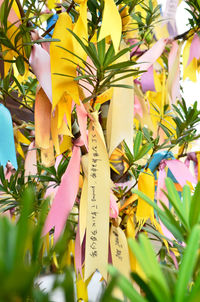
<point>175,89</point>
<point>82,120</point>
<point>114,210</point>
<point>30,165</point>
<point>161,196</point>
<point>180,172</point>
<point>65,196</point>
<point>40,63</point>
<point>147,80</point>
<point>194,49</point>
<point>147,59</point>
<point>137,107</point>
<point>172,55</point>
<point>161,186</point>
<point>12,17</point>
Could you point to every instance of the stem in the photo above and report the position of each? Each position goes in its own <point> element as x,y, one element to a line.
<point>70,7</point>
<point>17,101</point>
<point>22,14</point>
<point>95,92</point>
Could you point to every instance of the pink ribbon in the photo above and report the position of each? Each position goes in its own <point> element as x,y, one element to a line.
<point>161,196</point>
<point>182,175</point>
<point>65,195</point>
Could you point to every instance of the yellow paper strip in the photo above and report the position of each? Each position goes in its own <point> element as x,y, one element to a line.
<point>63,83</point>
<point>111,24</point>
<point>119,250</point>
<point>146,184</point>
<point>98,202</point>
<point>120,115</point>
<point>42,120</point>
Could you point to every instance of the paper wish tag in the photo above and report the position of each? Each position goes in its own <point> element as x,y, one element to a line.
<point>119,250</point>
<point>99,185</point>
<point>119,254</point>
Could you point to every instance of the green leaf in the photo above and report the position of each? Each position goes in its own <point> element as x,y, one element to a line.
<point>126,286</point>
<point>166,130</point>
<point>194,213</point>
<point>20,65</point>
<point>186,201</point>
<point>166,216</point>
<point>144,287</point>
<point>128,153</point>
<point>187,266</point>
<point>109,55</point>
<point>137,143</point>
<point>26,37</point>
<point>101,47</point>
<point>195,292</point>
<point>146,257</point>
<point>121,86</point>
<point>143,151</point>
<point>120,65</point>
<point>175,200</point>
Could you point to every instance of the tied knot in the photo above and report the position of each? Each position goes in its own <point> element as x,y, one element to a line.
<point>162,164</point>
<point>78,142</point>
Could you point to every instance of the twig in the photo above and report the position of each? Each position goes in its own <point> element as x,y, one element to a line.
<point>20,9</point>
<point>70,7</point>
<point>17,101</point>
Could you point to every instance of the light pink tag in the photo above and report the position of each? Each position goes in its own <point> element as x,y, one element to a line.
<point>150,56</point>
<point>65,196</point>
<point>194,49</point>
<point>40,63</point>
<point>147,80</point>
<point>180,172</point>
